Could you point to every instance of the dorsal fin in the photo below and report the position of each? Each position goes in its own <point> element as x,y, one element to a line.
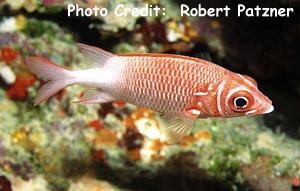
<point>175,126</point>
<point>250,79</point>
<point>95,57</point>
<point>205,56</point>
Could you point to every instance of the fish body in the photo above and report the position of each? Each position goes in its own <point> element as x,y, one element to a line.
<point>160,82</point>
<point>181,88</point>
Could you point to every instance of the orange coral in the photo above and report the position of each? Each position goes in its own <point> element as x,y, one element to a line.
<point>202,135</point>
<point>18,90</point>
<point>119,103</point>
<point>129,123</point>
<point>142,112</point>
<point>187,140</point>
<point>96,124</point>
<point>157,145</point>
<point>105,137</point>
<point>8,54</point>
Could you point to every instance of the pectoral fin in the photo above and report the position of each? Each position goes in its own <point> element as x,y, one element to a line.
<point>174,127</point>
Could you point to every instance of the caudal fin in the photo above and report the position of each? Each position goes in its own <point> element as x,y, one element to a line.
<point>56,77</point>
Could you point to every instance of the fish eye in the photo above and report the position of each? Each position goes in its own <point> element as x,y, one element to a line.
<point>240,102</point>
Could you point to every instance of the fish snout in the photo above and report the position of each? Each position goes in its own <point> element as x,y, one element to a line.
<point>262,107</point>
<point>267,107</point>
<point>269,110</point>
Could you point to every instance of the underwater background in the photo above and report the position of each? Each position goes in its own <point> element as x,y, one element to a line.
<point>63,146</point>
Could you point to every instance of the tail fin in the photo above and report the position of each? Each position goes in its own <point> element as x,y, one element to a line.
<point>56,77</point>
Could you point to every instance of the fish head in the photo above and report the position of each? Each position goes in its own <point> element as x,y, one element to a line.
<point>238,95</point>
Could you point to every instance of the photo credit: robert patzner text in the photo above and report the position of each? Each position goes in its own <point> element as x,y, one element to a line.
<point>146,10</point>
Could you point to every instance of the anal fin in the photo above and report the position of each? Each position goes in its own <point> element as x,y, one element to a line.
<point>95,96</point>
<point>175,126</point>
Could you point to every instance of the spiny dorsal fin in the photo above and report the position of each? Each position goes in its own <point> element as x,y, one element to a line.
<point>95,57</point>
<point>250,79</point>
<point>175,126</point>
<point>205,56</point>
<point>95,96</point>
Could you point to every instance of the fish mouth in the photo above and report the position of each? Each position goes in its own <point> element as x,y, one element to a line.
<point>269,110</point>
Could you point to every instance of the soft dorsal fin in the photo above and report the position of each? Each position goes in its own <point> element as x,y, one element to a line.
<point>174,127</point>
<point>95,57</point>
<point>95,96</point>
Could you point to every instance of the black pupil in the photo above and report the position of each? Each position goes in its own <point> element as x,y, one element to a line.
<point>240,102</point>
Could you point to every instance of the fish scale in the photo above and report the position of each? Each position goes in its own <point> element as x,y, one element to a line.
<point>162,83</point>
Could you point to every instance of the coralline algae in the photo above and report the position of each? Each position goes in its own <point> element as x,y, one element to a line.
<point>61,145</point>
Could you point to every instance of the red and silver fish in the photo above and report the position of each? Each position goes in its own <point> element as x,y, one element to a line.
<point>181,88</point>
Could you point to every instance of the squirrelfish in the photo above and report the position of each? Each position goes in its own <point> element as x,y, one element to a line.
<point>181,88</point>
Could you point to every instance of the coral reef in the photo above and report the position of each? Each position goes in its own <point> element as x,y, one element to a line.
<point>62,146</point>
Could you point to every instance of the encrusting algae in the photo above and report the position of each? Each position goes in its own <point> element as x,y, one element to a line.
<point>61,145</point>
